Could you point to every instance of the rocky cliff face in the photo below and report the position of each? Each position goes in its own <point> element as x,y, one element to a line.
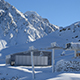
<point>18,28</point>
<point>41,24</point>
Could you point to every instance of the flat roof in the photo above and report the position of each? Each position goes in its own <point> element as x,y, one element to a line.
<point>26,52</point>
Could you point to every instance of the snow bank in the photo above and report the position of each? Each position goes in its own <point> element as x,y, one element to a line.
<point>41,73</point>
<point>66,66</point>
<point>73,45</point>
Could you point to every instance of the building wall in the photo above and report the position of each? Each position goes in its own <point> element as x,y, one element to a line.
<point>8,59</point>
<point>26,60</point>
<point>22,59</point>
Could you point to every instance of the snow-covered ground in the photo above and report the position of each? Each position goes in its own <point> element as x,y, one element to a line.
<point>41,73</point>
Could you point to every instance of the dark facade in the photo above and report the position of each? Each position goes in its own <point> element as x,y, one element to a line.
<point>18,58</point>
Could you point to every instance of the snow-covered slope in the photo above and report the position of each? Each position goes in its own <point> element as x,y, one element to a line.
<point>19,28</point>
<point>41,73</point>
<point>61,37</point>
<point>16,28</point>
<point>41,24</point>
<point>71,33</point>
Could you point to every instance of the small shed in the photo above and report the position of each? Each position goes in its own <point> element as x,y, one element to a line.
<point>42,58</point>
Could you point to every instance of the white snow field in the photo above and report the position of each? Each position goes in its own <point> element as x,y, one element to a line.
<point>41,73</point>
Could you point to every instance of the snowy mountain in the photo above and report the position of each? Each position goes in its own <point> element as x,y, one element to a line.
<point>41,24</point>
<point>61,37</point>
<point>17,28</point>
<point>71,33</point>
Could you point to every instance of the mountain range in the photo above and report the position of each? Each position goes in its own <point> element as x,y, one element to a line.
<point>17,28</point>
<point>20,30</point>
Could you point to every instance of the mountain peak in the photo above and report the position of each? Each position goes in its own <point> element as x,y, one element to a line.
<point>29,13</point>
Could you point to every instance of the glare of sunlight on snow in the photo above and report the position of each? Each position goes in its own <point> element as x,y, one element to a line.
<point>11,35</point>
<point>18,12</point>
<point>67,76</point>
<point>3,44</point>
<point>2,64</point>
<point>71,75</point>
<point>30,38</point>
<point>25,70</point>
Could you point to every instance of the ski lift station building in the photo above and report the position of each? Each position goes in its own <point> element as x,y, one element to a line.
<point>42,58</point>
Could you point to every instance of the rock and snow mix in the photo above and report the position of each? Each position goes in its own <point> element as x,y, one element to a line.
<point>67,66</point>
<point>17,28</point>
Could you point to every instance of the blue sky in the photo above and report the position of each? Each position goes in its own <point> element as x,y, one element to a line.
<point>58,12</point>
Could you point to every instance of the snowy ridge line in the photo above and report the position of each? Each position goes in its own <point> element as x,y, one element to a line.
<point>16,25</point>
